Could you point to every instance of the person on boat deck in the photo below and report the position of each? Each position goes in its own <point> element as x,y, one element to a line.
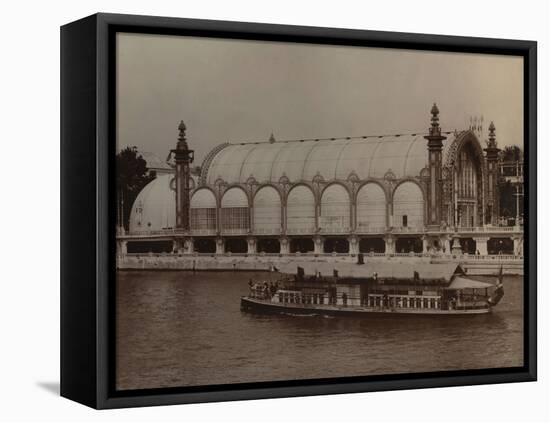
<point>252,287</point>
<point>452,303</point>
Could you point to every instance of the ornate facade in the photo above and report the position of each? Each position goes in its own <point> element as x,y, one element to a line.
<point>383,194</point>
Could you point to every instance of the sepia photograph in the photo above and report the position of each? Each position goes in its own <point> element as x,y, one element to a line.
<point>293,211</point>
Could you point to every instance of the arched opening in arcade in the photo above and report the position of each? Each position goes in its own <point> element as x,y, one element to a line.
<point>146,247</point>
<point>335,210</point>
<point>205,246</point>
<point>300,211</point>
<point>336,245</point>
<point>267,212</point>
<point>301,245</point>
<point>235,212</point>
<point>236,245</point>
<point>408,206</point>
<point>269,246</point>
<point>371,209</point>
<point>468,245</point>
<point>203,212</point>
<point>372,245</point>
<point>500,246</point>
<point>408,245</point>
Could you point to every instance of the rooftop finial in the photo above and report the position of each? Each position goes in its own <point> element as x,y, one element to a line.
<point>435,129</point>
<point>492,136</point>
<point>182,129</point>
<point>492,147</point>
<point>182,143</point>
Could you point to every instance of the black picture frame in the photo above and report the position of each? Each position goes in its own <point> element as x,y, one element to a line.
<point>88,217</point>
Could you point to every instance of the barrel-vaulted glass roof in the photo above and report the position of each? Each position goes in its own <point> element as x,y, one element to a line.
<point>300,160</point>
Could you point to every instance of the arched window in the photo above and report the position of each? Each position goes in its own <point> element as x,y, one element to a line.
<point>468,187</point>
<point>235,212</point>
<point>267,211</point>
<point>371,209</point>
<point>203,212</point>
<point>335,210</point>
<point>300,208</point>
<point>408,206</point>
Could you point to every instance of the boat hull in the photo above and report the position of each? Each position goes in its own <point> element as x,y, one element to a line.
<point>265,306</point>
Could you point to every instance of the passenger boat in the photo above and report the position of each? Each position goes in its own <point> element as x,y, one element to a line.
<point>374,287</point>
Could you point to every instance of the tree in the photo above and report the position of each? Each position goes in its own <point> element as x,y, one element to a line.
<point>507,199</point>
<point>511,153</point>
<point>131,177</point>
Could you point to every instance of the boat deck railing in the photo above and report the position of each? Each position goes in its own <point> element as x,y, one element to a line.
<point>377,300</point>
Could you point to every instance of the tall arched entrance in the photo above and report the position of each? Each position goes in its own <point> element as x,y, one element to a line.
<point>464,197</point>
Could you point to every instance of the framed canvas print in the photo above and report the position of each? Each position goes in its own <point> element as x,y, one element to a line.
<point>255,211</point>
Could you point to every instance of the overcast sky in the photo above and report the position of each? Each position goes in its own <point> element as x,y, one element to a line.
<point>234,91</point>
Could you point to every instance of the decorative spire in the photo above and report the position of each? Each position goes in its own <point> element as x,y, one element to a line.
<point>492,149</point>
<point>182,143</point>
<point>272,139</point>
<point>435,129</point>
<point>492,136</point>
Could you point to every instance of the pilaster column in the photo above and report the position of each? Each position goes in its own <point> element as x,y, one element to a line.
<point>284,242</point>
<point>353,244</point>
<point>251,242</point>
<point>120,231</point>
<point>435,148</point>
<point>445,241</point>
<point>122,247</point>
<point>492,152</point>
<point>177,245</point>
<point>481,245</point>
<point>518,245</point>
<point>318,244</point>
<point>317,215</point>
<point>188,246</point>
<point>425,244</point>
<point>220,245</point>
<point>183,157</point>
<point>457,248</point>
<point>390,244</point>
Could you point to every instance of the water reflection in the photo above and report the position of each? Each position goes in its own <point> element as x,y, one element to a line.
<point>184,329</point>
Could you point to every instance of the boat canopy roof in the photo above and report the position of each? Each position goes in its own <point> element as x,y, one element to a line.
<point>383,270</point>
<point>463,283</point>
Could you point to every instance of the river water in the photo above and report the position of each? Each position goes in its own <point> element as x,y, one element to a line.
<point>186,329</point>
